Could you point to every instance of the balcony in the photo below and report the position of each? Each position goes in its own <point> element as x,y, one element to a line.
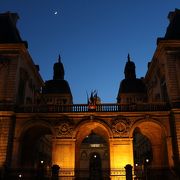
<point>76,108</point>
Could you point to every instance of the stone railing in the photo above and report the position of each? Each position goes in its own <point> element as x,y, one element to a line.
<point>92,108</point>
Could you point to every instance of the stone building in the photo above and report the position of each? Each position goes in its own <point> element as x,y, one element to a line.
<point>41,127</point>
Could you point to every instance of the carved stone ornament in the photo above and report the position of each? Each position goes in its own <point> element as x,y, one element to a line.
<point>147,116</point>
<point>120,127</point>
<point>64,130</point>
<point>84,155</point>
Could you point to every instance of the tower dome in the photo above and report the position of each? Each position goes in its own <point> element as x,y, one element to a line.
<point>58,88</point>
<point>131,88</point>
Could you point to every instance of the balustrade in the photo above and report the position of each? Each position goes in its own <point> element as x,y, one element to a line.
<point>86,108</point>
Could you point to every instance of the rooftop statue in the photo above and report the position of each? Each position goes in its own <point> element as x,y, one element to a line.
<point>93,100</point>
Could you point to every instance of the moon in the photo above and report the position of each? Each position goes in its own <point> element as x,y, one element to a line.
<point>55,12</point>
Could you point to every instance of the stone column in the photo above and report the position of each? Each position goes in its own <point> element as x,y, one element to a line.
<point>121,154</point>
<point>6,129</point>
<point>170,151</point>
<point>15,153</point>
<point>6,136</point>
<point>175,131</point>
<point>157,155</point>
<point>63,155</point>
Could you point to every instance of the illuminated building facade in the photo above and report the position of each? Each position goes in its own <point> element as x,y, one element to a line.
<point>41,127</point>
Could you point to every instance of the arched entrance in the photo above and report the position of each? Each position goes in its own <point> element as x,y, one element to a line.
<point>150,149</point>
<point>92,151</point>
<point>35,151</point>
<point>142,148</point>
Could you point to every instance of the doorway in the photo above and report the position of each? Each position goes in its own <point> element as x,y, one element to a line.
<point>94,157</point>
<point>95,166</point>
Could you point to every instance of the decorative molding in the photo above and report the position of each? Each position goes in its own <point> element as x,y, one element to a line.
<point>84,155</point>
<point>147,116</point>
<point>120,126</point>
<point>64,127</point>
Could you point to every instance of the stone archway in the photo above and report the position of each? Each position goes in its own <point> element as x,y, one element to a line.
<point>156,135</point>
<point>85,129</point>
<point>142,148</point>
<point>35,145</point>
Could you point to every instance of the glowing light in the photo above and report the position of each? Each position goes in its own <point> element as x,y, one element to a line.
<point>42,162</point>
<point>95,145</point>
<point>20,175</point>
<point>94,156</point>
<point>55,12</point>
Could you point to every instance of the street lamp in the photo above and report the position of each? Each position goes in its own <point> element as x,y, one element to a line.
<point>20,176</point>
<point>41,170</point>
<point>146,162</point>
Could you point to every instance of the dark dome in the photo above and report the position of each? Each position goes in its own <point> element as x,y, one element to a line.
<point>132,86</point>
<point>56,87</point>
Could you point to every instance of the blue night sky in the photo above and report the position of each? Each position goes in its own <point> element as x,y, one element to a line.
<point>93,38</point>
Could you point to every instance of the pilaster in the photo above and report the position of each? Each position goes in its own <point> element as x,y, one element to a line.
<point>170,152</point>
<point>175,133</point>
<point>121,154</point>
<point>63,154</point>
<point>172,76</point>
<point>6,135</point>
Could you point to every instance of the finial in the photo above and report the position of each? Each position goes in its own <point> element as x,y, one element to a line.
<point>128,58</point>
<point>59,58</point>
<point>58,70</point>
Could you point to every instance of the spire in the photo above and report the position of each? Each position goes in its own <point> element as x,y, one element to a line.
<point>58,70</point>
<point>129,70</point>
<point>128,57</point>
